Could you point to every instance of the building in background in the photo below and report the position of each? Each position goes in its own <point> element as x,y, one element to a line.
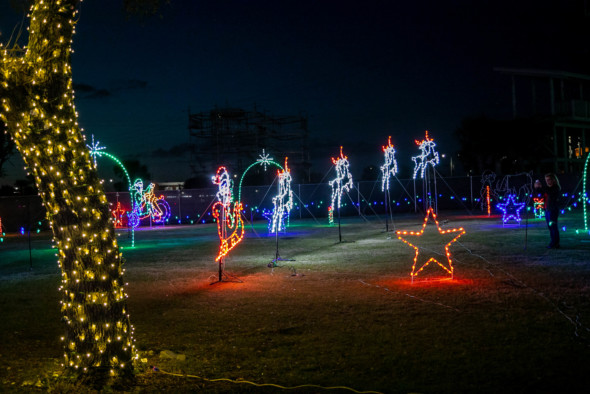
<point>558,103</point>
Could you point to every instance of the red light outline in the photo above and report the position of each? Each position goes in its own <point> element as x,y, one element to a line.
<point>450,268</point>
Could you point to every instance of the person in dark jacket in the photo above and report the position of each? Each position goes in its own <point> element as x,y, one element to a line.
<point>551,199</point>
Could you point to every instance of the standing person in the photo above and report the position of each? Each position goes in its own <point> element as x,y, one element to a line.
<point>551,199</point>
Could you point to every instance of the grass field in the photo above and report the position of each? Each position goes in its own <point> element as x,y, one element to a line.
<point>514,318</point>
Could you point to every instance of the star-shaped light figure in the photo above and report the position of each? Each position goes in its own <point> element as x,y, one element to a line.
<point>511,209</point>
<point>265,159</point>
<point>420,264</point>
<point>95,149</point>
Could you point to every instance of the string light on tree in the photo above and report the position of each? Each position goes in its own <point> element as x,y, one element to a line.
<point>511,209</point>
<point>341,184</point>
<point>428,156</point>
<point>420,263</point>
<point>388,169</point>
<point>37,106</point>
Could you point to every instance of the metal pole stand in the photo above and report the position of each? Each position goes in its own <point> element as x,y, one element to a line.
<point>274,263</point>
<point>386,213</point>
<point>339,228</point>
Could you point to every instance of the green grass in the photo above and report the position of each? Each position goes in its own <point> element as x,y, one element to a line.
<point>340,314</point>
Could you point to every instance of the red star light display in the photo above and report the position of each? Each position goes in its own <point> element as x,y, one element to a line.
<point>419,264</point>
<point>118,215</point>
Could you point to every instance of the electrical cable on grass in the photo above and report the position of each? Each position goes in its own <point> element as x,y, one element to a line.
<point>411,296</point>
<point>156,369</point>
<point>577,325</point>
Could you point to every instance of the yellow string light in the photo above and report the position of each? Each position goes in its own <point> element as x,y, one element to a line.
<point>37,106</point>
<point>301,386</point>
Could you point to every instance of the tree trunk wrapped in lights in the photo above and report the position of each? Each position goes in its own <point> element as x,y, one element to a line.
<point>37,106</point>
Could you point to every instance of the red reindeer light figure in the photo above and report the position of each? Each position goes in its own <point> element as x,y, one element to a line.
<point>230,226</point>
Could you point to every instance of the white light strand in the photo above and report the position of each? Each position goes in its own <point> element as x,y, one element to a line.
<point>428,156</point>
<point>342,183</point>
<point>388,169</point>
<point>95,149</point>
<point>283,201</point>
<point>264,159</point>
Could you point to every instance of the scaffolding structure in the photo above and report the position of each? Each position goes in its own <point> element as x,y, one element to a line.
<point>235,137</point>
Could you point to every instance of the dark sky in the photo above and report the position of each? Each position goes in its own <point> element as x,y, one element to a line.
<point>360,70</point>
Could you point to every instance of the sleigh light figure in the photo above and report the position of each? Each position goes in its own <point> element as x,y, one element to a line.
<point>228,215</point>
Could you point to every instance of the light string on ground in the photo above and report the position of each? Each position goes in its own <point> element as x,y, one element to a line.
<point>156,369</point>
<point>409,295</point>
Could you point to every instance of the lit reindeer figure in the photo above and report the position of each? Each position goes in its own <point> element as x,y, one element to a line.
<point>283,202</point>
<point>388,169</point>
<point>342,183</point>
<point>427,156</point>
<point>230,225</point>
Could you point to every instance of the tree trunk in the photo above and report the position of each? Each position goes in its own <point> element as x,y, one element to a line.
<point>37,105</point>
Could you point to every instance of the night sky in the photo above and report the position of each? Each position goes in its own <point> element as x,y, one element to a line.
<point>359,70</point>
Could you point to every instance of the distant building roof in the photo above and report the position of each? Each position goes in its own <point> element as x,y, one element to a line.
<point>529,72</point>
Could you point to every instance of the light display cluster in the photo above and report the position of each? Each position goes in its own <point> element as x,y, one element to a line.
<point>2,233</point>
<point>230,226</point>
<point>511,209</point>
<point>118,215</point>
<point>389,168</point>
<point>268,215</point>
<point>283,201</point>
<point>420,265</point>
<point>428,156</point>
<point>146,204</point>
<point>341,184</point>
<point>37,106</point>
<point>264,160</point>
<point>539,207</point>
<point>98,151</point>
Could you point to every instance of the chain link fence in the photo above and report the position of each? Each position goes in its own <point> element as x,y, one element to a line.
<point>193,206</point>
